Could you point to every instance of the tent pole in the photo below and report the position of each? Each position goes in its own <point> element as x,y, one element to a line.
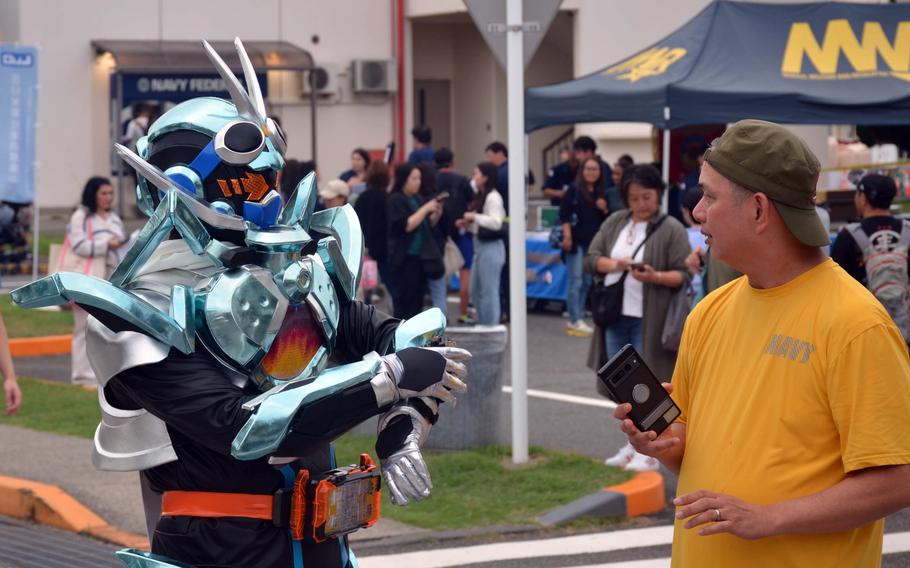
<point>312,114</point>
<point>665,166</point>
<point>118,163</point>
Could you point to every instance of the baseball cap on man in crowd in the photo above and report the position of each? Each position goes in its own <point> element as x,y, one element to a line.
<point>333,189</point>
<point>878,189</point>
<point>765,157</point>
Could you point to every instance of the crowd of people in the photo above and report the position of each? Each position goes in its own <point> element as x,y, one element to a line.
<point>424,222</point>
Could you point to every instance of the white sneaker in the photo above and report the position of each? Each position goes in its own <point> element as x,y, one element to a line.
<point>579,329</point>
<point>622,457</point>
<point>641,462</point>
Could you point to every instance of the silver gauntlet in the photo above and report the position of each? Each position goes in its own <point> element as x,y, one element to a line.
<point>404,471</point>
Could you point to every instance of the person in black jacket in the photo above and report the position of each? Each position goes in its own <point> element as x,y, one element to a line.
<point>371,210</point>
<point>460,197</point>
<point>582,211</point>
<point>413,255</point>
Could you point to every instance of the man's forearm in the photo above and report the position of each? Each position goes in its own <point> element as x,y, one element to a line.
<point>862,497</point>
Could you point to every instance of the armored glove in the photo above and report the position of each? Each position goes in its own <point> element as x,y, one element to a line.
<point>422,372</point>
<point>401,432</point>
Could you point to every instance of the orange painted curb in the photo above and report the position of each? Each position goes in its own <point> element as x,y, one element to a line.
<point>644,493</point>
<point>40,346</point>
<point>49,505</point>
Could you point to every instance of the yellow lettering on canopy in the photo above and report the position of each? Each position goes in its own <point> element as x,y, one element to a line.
<point>654,61</point>
<point>862,54</point>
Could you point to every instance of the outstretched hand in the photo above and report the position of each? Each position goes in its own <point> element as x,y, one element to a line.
<point>435,372</point>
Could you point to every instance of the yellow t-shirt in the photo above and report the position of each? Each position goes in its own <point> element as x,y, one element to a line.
<point>783,391</point>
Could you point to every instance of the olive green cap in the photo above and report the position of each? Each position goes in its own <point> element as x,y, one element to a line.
<point>766,157</point>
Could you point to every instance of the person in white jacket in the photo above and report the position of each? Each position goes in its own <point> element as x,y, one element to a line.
<point>94,230</point>
<point>486,220</point>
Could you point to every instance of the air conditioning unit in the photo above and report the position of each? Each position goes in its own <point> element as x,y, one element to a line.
<point>375,76</point>
<point>323,80</point>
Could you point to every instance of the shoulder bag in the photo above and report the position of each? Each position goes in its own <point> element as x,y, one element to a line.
<point>556,232</point>
<point>62,258</point>
<point>606,301</point>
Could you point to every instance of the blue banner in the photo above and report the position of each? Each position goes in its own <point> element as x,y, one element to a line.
<point>18,118</point>
<point>176,87</point>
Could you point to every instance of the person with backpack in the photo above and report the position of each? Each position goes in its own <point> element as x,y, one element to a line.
<point>874,251</point>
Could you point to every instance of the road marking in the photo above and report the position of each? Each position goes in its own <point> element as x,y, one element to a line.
<point>650,563</point>
<point>893,543</point>
<point>572,399</point>
<point>564,546</point>
<point>896,542</point>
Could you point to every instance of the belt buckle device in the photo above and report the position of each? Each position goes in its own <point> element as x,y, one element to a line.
<point>342,501</point>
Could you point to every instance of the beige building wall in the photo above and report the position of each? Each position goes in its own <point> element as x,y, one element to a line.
<point>441,43</point>
<point>74,132</point>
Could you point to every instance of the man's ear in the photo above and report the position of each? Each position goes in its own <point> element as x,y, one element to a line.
<point>761,211</point>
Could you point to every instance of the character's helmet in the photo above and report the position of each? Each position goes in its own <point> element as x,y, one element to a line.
<point>226,154</point>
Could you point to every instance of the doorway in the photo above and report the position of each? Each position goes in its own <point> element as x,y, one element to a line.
<point>433,108</point>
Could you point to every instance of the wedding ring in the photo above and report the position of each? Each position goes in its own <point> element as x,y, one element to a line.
<point>717,516</point>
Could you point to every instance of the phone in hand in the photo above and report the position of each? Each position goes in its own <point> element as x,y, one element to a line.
<point>637,266</point>
<point>627,379</point>
<point>443,196</point>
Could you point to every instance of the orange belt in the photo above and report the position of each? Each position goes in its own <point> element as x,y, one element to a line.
<point>209,504</point>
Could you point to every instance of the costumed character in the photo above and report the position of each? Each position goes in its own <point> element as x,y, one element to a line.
<point>211,344</point>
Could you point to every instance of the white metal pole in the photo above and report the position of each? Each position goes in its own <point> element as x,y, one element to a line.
<point>665,166</point>
<point>517,223</point>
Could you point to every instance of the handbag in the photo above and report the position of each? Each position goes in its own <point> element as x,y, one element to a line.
<point>452,257</point>
<point>431,259</point>
<point>556,232</point>
<point>369,275</point>
<point>606,301</point>
<point>677,312</point>
<point>488,235</point>
<point>62,258</point>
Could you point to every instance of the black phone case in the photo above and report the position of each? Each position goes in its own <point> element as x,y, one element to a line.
<point>628,379</point>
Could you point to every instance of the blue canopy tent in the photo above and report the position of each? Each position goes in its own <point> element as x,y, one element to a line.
<point>818,63</point>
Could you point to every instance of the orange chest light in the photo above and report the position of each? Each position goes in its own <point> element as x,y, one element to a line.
<point>297,342</point>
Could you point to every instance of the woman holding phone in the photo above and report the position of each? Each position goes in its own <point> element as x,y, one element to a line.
<point>486,220</point>
<point>413,255</point>
<point>655,268</point>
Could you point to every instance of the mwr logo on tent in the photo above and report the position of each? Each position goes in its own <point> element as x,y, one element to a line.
<point>654,61</point>
<point>861,54</point>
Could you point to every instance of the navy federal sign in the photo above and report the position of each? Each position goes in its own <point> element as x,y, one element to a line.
<point>867,54</point>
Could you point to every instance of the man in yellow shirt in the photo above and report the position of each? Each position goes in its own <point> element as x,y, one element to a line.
<point>793,382</point>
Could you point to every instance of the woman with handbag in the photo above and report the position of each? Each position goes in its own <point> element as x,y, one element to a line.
<point>371,211</point>
<point>486,221</point>
<point>582,211</point>
<point>413,254</point>
<point>638,258</point>
<point>94,232</point>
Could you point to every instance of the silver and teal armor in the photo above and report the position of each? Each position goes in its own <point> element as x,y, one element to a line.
<point>257,283</point>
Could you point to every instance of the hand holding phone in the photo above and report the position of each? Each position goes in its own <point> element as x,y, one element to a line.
<point>637,266</point>
<point>627,379</point>
<point>442,196</point>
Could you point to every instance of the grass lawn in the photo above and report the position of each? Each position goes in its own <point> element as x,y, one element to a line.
<point>474,488</point>
<point>55,407</point>
<point>480,487</point>
<point>45,242</point>
<point>34,323</point>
